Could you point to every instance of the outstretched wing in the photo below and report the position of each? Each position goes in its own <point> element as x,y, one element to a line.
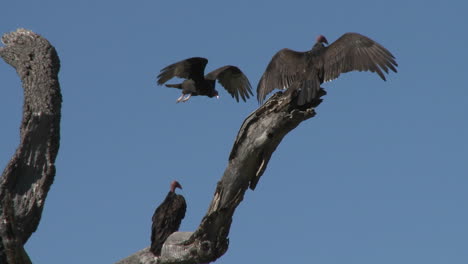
<point>233,80</point>
<point>192,68</point>
<point>355,52</point>
<point>284,69</point>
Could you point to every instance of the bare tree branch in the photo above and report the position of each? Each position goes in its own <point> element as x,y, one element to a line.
<point>258,137</point>
<point>30,173</point>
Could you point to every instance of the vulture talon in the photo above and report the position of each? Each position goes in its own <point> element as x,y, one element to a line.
<point>180,99</point>
<point>186,98</point>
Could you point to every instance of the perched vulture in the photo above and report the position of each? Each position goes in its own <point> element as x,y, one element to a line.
<point>307,70</point>
<point>196,83</point>
<point>167,218</point>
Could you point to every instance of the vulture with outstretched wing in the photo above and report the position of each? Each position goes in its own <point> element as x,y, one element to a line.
<point>307,70</point>
<point>196,83</point>
<point>167,218</point>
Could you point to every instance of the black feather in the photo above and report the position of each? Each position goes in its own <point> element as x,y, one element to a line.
<point>351,52</point>
<point>166,220</point>
<point>192,69</point>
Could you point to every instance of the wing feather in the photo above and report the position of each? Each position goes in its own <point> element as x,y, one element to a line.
<point>191,68</point>
<point>285,67</point>
<point>355,52</point>
<point>233,80</point>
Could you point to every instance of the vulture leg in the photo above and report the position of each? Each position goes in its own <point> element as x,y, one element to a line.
<point>180,99</point>
<point>186,98</point>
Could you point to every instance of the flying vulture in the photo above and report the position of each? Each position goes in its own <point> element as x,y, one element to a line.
<point>307,70</point>
<point>196,83</point>
<point>167,218</point>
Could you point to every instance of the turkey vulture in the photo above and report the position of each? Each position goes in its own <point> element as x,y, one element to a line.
<point>309,69</point>
<point>167,218</point>
<point>192,70</point>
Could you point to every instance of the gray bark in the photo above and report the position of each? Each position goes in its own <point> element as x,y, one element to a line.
<point>29,174</point>
<point>258,137</point>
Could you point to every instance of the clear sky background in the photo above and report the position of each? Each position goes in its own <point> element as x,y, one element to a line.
<point>380,175</point>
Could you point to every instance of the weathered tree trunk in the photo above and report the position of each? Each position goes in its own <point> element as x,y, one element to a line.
<point>30,173</point>
<point>28,176</point>
<point>258,137</point>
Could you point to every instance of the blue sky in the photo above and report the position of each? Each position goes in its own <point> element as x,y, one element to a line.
<point>380,175</point>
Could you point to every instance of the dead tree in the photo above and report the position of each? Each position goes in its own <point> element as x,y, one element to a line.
<point>27,178</point>
<point>258,137</point>
<point>29,174</point>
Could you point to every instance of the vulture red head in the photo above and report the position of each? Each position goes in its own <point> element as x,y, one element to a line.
<point>174,185</point>
<point>321,39</point>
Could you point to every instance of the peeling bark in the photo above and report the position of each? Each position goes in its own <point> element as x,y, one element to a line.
<point>258,137</point>
<point>28,176</point>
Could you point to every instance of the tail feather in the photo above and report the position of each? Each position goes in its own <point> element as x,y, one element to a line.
<point>174,85</point>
